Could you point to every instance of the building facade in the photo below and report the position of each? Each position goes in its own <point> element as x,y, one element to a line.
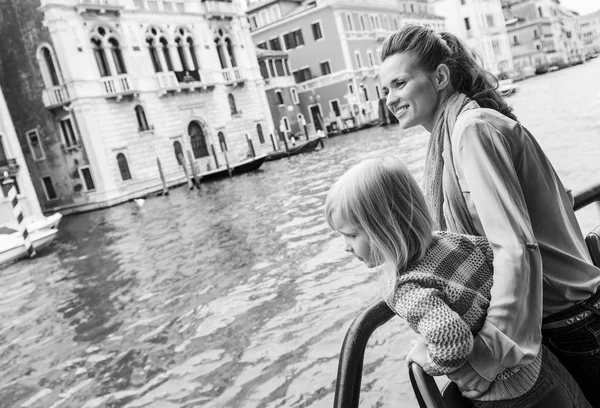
<point>99,90</point>
<point>542,34</point>
<point>334,49</point>
<point>12,162</point>
<point>481,25</point>
<point>282,95</point>
<point>589,31</point>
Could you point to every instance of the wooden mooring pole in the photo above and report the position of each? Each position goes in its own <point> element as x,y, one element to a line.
<point>214,152</point>
<point>187,177</point>
<point>194,169</point>
<point>165,189</point>
<point>18,213</point>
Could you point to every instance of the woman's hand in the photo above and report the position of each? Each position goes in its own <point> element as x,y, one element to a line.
<point>469,382</point>
<point>418,353</point>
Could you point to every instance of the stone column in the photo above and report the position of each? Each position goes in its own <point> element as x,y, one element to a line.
<point>175,57</point>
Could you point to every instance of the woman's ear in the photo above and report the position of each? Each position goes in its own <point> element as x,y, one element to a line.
<point>442,76</point>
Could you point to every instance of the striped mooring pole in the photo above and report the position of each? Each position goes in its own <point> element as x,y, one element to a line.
<point>18,213</point>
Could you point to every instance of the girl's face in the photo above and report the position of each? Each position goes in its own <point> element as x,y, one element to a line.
<point>356,240</point>
<point>410,91</point>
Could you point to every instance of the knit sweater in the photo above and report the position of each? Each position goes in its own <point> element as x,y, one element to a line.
<point>445,297</point>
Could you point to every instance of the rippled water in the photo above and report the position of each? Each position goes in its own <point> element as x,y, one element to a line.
<point>237,295</point>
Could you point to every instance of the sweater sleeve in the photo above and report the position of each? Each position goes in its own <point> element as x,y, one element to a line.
<point>511,334</point>
<point>448,338</point>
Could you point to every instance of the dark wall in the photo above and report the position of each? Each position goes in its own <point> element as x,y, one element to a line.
<point>21,32</point>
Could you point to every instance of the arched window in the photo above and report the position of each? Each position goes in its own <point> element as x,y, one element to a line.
<point>286,123</point>
<point>185,49</point>
<point>261,137</point>
<point>155,47</point>
<point>152,48</point>
<point>117,56</point>
<point>230,52</point>
<point>178,152</point>
<point>220,53</point>
<point>48,67</point>
<point>123,167</point>
<point>106,46</point>
<point>100,57</point>
<point>193,52</point>
<point>232,106</point>
<point>197,140</point>
<point>222,142</point>
<point>279,96</point>
<point>141,118</point>
<point>167,55</point>
<point>225,49</point>
<point>181,54</point>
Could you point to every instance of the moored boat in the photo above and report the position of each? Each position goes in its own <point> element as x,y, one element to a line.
<point>12,245</point>
<point>305,147</point>
<point>244,166</point>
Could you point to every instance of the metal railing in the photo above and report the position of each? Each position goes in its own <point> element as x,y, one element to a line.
<point>349,375</point>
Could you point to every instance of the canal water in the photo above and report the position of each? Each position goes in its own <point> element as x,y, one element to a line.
<point>237,295</point>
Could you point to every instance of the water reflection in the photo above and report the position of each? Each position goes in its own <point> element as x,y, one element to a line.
<point>237,295</point>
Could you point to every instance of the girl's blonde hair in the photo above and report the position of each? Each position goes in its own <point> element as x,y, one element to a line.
<point>381,196</point>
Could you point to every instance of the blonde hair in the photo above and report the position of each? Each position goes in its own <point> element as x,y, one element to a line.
<point>381,196</point>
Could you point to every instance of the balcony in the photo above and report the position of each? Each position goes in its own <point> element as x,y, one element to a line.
<point>324,81</point>
<point>118,86</point>
<point>219,9</point>
<point>55,96</point>
<point>374,71</point>
<point>381,34</point>
<point>167,6</point>
<point>279,82</point>
<point>10,166</point>
<point>232,76</point>
<point>99,6</point>
<point>189,80</point>
<point>361,35</point>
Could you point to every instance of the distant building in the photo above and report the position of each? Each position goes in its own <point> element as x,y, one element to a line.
<point>13,162</point>
<point>542,33</point>
<point>100,89</point>
<point>481,25</point>
<point>284,101</point>
<point>334,49</point>
<point>589,30</point>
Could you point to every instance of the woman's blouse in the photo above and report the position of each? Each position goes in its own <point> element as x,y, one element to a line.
<point>516,200</point>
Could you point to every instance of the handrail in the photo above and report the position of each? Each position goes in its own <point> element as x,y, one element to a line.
<point>347,390</point>
<point>586,196</point>
<point>350,366</point>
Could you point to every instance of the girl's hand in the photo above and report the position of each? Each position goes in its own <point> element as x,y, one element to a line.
<point>418,353</point>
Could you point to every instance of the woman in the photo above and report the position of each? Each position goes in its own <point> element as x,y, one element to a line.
<point>486,175</point>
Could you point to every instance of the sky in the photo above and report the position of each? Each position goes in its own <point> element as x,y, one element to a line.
<point>583,7</point>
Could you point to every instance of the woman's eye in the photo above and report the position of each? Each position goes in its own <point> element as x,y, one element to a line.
<point>386,91</point>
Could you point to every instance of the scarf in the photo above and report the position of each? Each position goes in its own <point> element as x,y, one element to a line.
<point>447,205</point>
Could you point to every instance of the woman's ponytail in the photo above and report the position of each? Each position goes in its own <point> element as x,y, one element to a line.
<point>469,77</point>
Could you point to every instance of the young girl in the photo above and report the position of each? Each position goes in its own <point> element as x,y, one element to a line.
<point>486,175</point>
<point>438,281</point>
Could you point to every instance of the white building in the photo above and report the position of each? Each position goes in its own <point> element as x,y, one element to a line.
<point>589,31</point>
<point>13,162</point>
<point>124,82</point>
<point>542,33</point>
<point>481,25</point>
